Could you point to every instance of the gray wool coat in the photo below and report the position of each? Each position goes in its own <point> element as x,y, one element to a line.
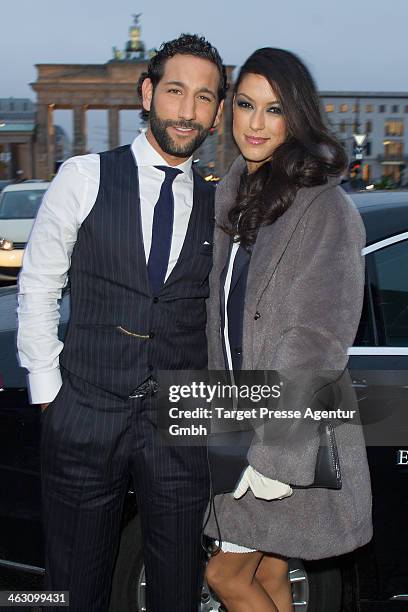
<point>302,308</point>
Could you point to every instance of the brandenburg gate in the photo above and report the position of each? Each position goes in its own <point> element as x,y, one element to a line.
<point>110,86</point>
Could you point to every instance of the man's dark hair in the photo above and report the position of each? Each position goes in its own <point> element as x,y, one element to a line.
<point>185,44</point>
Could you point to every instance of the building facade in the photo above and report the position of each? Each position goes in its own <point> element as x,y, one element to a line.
<point>17,124</point>
<point>382,117</point>
<point>18,136</point>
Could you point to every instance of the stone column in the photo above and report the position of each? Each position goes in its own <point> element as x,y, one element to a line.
<point>45,142</point>
<point>114,126</point>
<point>79,130</point>
<point>24,161</point>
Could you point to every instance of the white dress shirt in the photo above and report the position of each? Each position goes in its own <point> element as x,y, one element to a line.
<point>66,204</point>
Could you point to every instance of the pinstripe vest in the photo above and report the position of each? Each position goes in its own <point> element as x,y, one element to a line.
<point>119,333</point>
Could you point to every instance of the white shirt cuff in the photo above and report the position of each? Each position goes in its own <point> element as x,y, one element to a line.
<point>44,386</point>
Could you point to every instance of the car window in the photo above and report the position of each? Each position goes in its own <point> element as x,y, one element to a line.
<point>391,291</point>
<point>20,204</point>
<point>365,332</point>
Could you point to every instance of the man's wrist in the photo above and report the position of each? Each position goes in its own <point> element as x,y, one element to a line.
<point>44,386</point>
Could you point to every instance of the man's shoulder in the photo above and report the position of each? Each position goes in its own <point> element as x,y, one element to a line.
<point>87,165</point>
<point>117,151</point>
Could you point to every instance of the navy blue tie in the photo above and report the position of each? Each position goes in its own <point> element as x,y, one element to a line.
<point>162,230</point>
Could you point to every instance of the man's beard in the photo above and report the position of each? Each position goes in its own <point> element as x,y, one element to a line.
<point>166,142</point>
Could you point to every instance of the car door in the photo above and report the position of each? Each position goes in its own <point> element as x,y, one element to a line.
<point>20,533</point>
<point>379,367</point>
<point>20,503</point>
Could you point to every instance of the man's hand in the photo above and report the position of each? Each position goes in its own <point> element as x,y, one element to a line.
<point>44,406</point>
<point>261,486</point>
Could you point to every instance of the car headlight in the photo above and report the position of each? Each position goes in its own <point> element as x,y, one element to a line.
<point>6,245</point>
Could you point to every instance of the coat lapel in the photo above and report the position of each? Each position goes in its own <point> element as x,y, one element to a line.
<point>271,243</point>
<point>224,201</point>
<point>273,240</point>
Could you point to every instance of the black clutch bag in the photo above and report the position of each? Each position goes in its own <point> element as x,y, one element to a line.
<point>227,459</point>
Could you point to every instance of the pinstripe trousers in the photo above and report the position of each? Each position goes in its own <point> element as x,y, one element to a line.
<point>91,443</point>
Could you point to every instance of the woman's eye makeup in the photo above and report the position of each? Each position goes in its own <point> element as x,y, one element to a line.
<point>244,104</point>
<point>274,110</point>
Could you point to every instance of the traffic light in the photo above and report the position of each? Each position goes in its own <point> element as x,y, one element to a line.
<point>355,166</point>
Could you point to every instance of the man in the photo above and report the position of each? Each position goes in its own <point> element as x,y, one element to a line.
<point>133,227</point>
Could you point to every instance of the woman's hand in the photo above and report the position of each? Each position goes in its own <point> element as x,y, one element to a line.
<point>261,486</point>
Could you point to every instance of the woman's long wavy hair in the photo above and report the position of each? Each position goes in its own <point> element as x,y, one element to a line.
<point>309,155</point>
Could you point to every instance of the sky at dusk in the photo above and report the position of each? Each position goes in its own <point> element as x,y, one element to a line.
<point>352,44</point>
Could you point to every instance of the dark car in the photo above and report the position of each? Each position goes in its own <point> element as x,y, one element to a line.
<point>4,183</point>
<point>378,362</point>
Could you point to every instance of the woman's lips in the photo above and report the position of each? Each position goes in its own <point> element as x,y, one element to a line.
<point>255,140</point>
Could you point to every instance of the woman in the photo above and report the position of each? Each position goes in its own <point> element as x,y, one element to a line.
<point>287,290</point>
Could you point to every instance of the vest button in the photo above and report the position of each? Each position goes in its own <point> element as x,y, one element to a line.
<point>151,335</point>
<point>257,316</point>
<point>151,368</point>
<point>155,300</point>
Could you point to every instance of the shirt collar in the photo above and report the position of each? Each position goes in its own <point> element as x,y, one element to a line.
<point>146,155</point>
